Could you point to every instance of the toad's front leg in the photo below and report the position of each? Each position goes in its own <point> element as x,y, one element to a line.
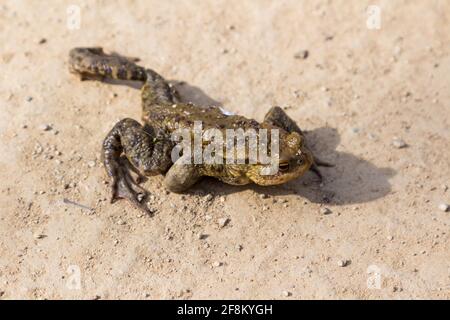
<point>146,149</point>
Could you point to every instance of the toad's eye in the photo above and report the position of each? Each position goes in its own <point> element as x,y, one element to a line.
<point>284,166</point>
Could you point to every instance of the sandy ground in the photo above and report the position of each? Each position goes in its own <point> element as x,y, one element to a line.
<point>358,90</point>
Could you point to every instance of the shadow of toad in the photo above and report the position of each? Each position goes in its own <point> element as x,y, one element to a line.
<point>352,180</point>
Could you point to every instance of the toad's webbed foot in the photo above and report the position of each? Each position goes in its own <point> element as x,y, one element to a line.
<point>125,187</point>
<point>147,151</point>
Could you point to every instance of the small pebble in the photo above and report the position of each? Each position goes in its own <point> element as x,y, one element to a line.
<point>39,236</point>
<point>223,222</point>
<point>399,143</point>
<point>45,127</point>
<point>201,236</point>
<point>91,164</point>
<point>303,54</point>
<point>29,99</point>
<point>217,264</point>
<point>444,207</point>
<point>286,293</point>
<point>342,263</point>
<point>325,211</point>
<point>263,196</point>
<point>120,222</point>
<point>209,197</point>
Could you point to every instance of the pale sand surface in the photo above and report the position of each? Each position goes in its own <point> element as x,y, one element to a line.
<point>357,90</point>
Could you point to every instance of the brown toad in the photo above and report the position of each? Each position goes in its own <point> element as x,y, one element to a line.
<point>148,147</point>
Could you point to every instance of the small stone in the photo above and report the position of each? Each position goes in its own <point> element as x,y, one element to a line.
<point>263,196</point>
<point>343,263</point>
<point>217,264</point>
<point>29,99</point>
<point>286,293</point>
<point>444,187</point>
<point>91,164</point>
<point>209,197</point>
<point>39,236</point>
<point>303,54</point>
<point>45,127</point>
<point>42,41</point>
<point>201,236</point>
<point>444,207</point>
<point>325,211</point>
<point>399,143</point>
<point>390,238</point>
<point>223,222</point>
<point>239,247</point>
<point>120,222</point>
<point>397,289</point>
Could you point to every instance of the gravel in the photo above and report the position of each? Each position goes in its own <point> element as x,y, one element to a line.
<point>343,263</point>
<point>286,293</point>
<point>223,222</point>
<point>444,207</point>
<point>303,55</point>
<point>325,211</point>
<point>45,127</point>
<point>399,143</point>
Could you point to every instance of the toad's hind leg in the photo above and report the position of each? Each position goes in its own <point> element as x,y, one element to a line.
<point>157,91</point>
<point>93,63</point>
<point>278,117</point>
<point>148,151</point>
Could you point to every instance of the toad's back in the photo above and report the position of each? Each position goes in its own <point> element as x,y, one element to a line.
<point>180,115</point>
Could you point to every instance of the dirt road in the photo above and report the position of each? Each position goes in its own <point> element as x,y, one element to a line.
<point>373,92</point>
